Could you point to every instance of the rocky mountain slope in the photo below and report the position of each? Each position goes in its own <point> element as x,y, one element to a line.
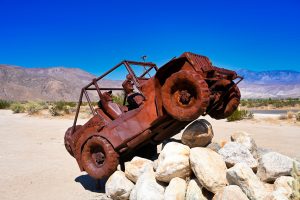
<point>59,83</point>
<point>51,84</point>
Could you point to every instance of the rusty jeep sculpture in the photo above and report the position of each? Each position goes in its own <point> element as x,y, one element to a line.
<point>180,91</point>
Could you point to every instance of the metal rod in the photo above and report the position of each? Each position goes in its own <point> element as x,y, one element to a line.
<point>132,74</point>
<point>140,63</point>
<point>100,77</point>
<point>89,102</point>
<point>146,72</point>
<point>105,89</point>
<point>77,110</point>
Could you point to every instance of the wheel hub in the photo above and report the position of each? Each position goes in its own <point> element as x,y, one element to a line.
<point>184,97</point>
<point>98,158</point>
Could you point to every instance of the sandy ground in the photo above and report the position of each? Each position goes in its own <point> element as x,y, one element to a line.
<point>35,164</point>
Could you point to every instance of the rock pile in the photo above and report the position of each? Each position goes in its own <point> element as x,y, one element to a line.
<point>236,171</point>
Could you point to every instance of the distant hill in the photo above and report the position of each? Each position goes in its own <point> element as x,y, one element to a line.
<point>47,84</point>
<point>270,84</point>
<point>59,83</point>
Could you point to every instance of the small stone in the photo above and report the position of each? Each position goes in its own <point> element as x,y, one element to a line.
<point>242,176</point>
<point>198,134</point>
<point>209,168</point>
<point>136,167</point>
<point>234,153</point>
<point>273,165</point>
<point>194,191</point>
<point>231,192</point>
<point>173,161</point>
<point>175,190</point>
<point>118,186</point>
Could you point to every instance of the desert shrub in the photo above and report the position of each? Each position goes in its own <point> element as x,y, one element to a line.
<point>4,104</point>
<point>296,183</point>
<point>239,115</point>
<point>33,108</point>
<point>17,108</point>
<point>53,110</point>
<point>44,105</point>
<point>67,109</point>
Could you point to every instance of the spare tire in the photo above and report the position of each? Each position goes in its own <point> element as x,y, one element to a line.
<point>185,95</point>
<point>99,158</point>
<point>228,104</point>
<point>68,139</point>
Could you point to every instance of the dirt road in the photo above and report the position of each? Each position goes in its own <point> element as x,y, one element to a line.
<point>35,164</point>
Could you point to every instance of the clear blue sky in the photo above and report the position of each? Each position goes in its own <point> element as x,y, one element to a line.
<point>95,35</point>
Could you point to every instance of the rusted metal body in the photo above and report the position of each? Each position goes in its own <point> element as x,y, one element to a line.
<point>181,90</point>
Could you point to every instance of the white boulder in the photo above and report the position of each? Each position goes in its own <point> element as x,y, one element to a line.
<point>273,165</point>
<point>242,176</point>
<point>136,167</point>
<point>245,139</point>
<point>147,188</point>
<point>175,190</point>
<point>118,186</point>
<point>173,161</point>
<point>230,192</point>
<point>209,168</point>
<point>234,153</point>
<point>194,191</point>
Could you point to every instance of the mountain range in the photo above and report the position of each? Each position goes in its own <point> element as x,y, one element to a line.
<point>60,83</point>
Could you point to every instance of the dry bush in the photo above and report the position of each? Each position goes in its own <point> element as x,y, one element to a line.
<point>33,108</point>
<point>4,104</point>
<point>17,108</point>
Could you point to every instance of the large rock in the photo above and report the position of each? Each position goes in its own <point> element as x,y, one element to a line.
<point>231,192</point>
<point>147,188</point>
<point>242,176</point>
<point>136,167</point>
<point>234,153</point>
<point>175,190</point>
<point>173,161</point>
<point>273,165</point>
<point>118,186</point>
<point>245,139</point>
<point>198,134</point>
<point>209,168</point>
<point>283,185</point>
<point>194,191</point>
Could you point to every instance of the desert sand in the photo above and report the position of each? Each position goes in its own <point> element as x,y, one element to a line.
<point>35,164</point>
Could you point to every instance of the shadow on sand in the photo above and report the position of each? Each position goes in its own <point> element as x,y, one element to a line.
<point>91,184</point>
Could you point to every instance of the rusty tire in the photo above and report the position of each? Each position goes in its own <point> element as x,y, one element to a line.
<point>229,103</point>
<point>185,95</point>
<point>68,139</point>
<point>99,158</point>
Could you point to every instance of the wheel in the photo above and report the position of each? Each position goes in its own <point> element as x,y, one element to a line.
<point>68,138</point>
<point>185,95</point>
<point>228,104</point>
<point>99,158</point>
